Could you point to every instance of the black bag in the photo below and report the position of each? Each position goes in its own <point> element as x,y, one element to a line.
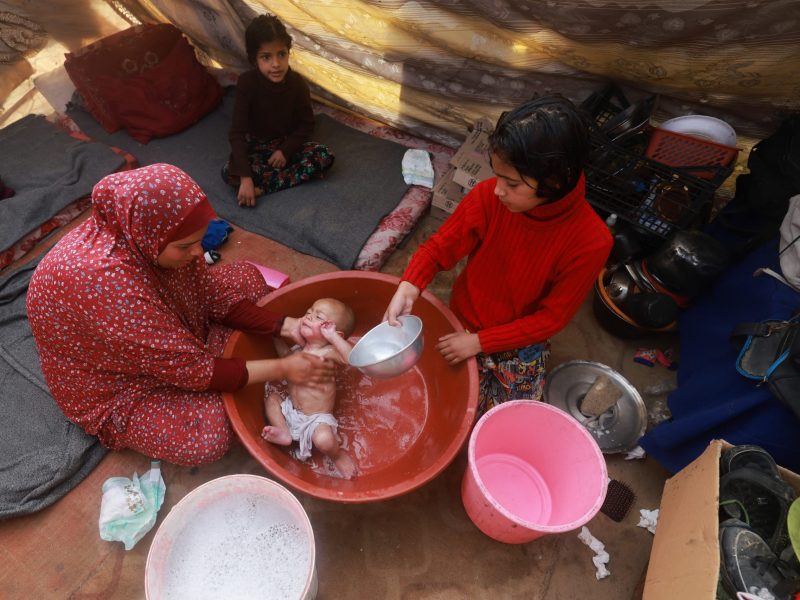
<point>762,196</point>
<point>771,354</point>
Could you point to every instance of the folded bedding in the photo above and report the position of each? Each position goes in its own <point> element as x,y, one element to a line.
<point>42,454</point>
<point>48,170</point>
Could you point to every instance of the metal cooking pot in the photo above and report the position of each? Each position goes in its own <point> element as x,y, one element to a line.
<point>688,262</point>
<point>619,285</point>
<point>651,309</point>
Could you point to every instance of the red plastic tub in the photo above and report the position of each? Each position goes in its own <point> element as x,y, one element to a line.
<point>402,432</point>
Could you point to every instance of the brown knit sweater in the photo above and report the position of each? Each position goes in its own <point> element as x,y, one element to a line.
<point>267,111</point>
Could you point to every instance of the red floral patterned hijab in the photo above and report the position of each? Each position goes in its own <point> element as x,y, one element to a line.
<point>106,318</point>
<point>150,207</point>
<point>146,209</point>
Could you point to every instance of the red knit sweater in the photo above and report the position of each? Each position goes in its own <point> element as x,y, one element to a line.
<point>527,273</point>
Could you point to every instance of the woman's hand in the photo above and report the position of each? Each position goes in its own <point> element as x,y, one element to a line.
<point>247,192</point>
<point>401,303</point>
<point>291,330</point>
<point>456,347</point>
<point>277,160</point>
<point>306,369</point>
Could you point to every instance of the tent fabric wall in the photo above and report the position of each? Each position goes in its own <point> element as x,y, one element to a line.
<point>67,24</point>
<point>434,66</point>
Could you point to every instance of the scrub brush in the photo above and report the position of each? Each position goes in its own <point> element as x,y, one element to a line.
<point>619,499</point>
<point>601,396</point>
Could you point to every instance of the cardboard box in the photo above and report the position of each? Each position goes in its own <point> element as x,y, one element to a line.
<point>685,559</point>
<point>471,159</point>
<point>439,213</point>
<point>471,171</point>
<point>477,141</point>
<point>446,193</point>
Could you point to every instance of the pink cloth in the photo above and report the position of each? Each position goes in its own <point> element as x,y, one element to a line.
<point>128,348</point>
<point>274,278</point>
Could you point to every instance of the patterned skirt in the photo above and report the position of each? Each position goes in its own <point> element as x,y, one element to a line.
<point>512,375</point>
<point>310,161</point>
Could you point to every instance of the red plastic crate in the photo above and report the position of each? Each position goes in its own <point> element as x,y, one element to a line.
<point>678,150</point>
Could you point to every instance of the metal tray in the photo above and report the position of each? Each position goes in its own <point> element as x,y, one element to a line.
<point>616,430</point>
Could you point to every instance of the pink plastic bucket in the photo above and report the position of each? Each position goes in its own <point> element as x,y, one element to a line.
<point>532,469</point>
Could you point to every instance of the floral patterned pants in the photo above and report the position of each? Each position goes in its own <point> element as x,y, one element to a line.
<point>308,162</point>
<point>512,375</point>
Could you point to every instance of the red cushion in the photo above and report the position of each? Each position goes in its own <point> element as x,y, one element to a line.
<point>145,79</point>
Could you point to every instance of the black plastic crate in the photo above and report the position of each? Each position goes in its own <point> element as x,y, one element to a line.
<point>604,104</point>
<point>654,198</point>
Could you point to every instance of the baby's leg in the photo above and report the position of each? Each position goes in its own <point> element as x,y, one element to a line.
<point>277,431</point>
<point>325,440</point>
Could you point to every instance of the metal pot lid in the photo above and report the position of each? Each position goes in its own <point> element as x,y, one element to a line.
<point>616,430</point>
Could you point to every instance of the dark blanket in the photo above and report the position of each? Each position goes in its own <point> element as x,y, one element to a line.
<point>330,218</point>
<point>48,170</point>
<point>42,454</point>
<point>713,401</point>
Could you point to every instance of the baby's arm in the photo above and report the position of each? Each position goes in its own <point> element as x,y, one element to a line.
<point>342,346</point>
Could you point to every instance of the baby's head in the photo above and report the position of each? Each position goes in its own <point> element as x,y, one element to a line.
<point>545,139</point>
<point>330,309</point>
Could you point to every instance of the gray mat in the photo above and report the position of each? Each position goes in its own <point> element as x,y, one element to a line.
<point>330,218</point>
<point>49,170</point>
<point>42,454</point>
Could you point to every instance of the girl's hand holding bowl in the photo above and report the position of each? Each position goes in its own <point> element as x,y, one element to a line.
<point>387,351</point>
<point>401,303</point>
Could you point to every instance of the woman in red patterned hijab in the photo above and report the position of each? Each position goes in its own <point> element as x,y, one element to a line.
<point>130,322</point>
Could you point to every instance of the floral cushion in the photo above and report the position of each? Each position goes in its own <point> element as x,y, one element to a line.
<point>145,79</point>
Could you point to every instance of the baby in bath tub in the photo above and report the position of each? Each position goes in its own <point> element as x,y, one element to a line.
<point>305,415</point>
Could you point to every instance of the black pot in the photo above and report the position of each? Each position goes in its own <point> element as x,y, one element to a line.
<point>688,263</point>
<point>613,319</point>
<point>651,309</point>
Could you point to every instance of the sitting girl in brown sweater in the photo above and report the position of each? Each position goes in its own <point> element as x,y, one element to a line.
<point>272,119</point>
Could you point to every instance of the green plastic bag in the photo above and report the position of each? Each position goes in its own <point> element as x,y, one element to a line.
<point>793,523</point>
<point>130,506</point>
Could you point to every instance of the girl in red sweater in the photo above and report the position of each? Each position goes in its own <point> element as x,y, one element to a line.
<point>535,248</point>
<point>272,119</point>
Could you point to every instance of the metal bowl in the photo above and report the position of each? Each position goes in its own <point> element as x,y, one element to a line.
<point>704,127</point>
<point>386,350</point>
<point>616,430</point>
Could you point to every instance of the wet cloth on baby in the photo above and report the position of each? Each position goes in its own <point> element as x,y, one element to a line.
<point>302,427</point>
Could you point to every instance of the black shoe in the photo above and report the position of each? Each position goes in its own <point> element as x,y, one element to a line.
<point>747,455</point>
<point>751,490</point>
<point>749,565</point>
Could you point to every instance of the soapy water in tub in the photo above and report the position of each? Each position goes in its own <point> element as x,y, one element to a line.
<point>240,546</point>
<point>379,419</point>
